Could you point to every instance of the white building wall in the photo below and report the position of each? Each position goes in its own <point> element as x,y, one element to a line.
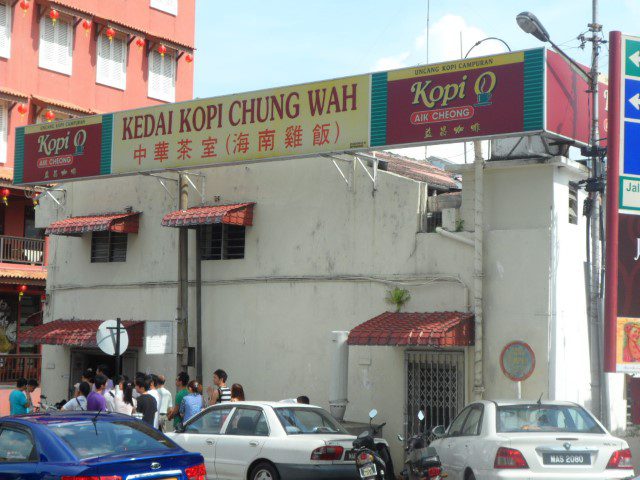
<point>320,257</point>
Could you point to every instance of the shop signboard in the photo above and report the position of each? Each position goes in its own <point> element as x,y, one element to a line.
<point>495,96</point>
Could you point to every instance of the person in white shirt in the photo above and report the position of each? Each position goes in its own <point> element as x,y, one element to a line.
<point>125,403</point>
<point>166,401</point>
<point>114,393</point>
<point>80,400</point>
<point>154,393</point>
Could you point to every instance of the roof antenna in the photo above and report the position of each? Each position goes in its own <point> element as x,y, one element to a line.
<point>539,402</point>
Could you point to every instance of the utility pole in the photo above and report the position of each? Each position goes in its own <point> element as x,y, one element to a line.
<point>599,393</point>
<point>183,279</point>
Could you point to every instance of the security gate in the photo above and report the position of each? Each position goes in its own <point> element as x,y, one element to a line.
<point>435,385</point>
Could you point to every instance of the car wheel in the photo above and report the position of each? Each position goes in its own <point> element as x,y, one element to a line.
<point>264,471</point>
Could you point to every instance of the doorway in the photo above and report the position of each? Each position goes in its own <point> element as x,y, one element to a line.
<point>84,358</point>
<point>435,385</point>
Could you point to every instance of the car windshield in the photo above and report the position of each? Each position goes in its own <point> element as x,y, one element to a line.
<point>298,421</point>
<point>89,439</point>
<point>545,418</point>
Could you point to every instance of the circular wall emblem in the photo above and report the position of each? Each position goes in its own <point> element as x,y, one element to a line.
<point>517,361</point>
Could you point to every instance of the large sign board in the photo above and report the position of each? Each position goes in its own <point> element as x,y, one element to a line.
<point>622,303</point>
<point>494,96</point>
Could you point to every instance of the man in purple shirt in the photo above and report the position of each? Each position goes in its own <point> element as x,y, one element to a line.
<point>95,400</point>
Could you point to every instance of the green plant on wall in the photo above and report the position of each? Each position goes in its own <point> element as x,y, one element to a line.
<point>398,297</point>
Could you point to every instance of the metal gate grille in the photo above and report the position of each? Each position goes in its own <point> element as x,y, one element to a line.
<point>435,385</point>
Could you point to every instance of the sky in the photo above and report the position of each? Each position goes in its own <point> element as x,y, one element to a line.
<point>257,44</point>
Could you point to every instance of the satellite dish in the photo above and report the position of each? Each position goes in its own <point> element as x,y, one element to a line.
<point>106,337</point>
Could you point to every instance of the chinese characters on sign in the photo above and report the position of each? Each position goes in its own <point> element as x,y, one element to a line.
<point>291,121</point>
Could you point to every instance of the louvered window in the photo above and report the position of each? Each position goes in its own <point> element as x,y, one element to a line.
<point>108,247</point>
<point>112,62</point>
<point>169,6</point>
<point>162,77</point>
<point>4,128</point>
<point>56,45</point>
<point>5,30</point>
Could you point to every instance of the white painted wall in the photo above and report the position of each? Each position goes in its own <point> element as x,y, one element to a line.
<point>267,318</point>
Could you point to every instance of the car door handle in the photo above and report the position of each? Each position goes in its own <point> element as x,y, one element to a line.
<point>210,442</point>
<point>254,443</point>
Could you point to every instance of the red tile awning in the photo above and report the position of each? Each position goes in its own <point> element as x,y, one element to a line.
<point>32,275</point>
<point>235,214</point>
<point>114,222</point>
<point>78,333</point>
<point>442,329</point>
<point>59,105</point>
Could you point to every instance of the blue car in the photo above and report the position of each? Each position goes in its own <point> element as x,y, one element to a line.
<point>91,446</point>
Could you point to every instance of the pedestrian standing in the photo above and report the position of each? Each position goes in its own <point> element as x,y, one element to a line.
<point>166,401</point>
<point>125,403</point>
<point>220,393</point>
<point>182,381</point>
<point>87,376</point>
<point>191,404</point>
<point>237,393</point>
<point>146,404</point>
<point>18,398</point>
<point>153,391</point>
<point>80,400</point>
<point>303,399</point>
<point>113,393</point>
<point>31,387</point>
<point>95,400</point>
<point>104,370</point>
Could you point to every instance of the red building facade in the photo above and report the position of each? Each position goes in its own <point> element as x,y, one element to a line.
<point>61,59</point>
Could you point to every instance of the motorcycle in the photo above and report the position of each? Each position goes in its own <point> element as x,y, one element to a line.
<point>373,459</point>
<point>423,462</point>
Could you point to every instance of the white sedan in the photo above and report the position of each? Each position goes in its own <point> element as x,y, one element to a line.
<point>269,441</point>
<point>534,440</point>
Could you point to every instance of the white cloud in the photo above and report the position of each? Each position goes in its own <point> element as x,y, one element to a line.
<point>390,63</point>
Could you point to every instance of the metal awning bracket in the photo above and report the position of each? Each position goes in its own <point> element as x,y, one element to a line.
<point>349,176</point>
<point>62,201</point>
<point>374,161</point>
<point>201,178</point>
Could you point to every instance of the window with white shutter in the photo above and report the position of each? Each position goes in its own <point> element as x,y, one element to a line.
<point>4,129</point>
<point>112,62</point>
<point>5,29</point>
<point>162,76</point>
<point>56,45</point>
<point>169,6</point>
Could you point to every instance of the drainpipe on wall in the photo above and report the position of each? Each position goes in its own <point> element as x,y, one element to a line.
<point>199,372</point>
<point>339,382</point>
<point>478,375</point>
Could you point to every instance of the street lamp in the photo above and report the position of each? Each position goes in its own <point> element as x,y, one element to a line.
<point>529,23</point>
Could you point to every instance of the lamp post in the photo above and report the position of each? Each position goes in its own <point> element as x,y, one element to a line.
<point>594,186</point>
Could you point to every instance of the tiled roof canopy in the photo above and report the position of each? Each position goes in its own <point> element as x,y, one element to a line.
<point>422,171</point>
<point>78,333</point>
<point>442,329</point>
<point>114,222</point>
<point>236,214</point>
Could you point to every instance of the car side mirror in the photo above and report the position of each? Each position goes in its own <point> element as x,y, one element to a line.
<point>180,428</point>
<point>439,431</point>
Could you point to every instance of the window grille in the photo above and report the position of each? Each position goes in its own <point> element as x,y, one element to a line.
<point>222,242</point>
<point>108,247</point>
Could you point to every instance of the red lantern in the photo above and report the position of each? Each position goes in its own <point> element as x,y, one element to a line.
<point>22,109</point>
<point>54,15</point>
<point>110,33</point>
<point>49,116</point>
<point>188,58</point>
<point>21,290</point>
<point>140,42</point>
<point>162,50</point>
<point>5,192</point>
<point>86,24</point>
<point>24,5</point>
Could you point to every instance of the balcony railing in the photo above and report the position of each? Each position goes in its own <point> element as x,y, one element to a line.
<point>21,250</point>
<point>13,367</point>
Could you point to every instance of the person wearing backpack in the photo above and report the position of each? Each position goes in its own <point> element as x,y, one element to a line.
<point>220,393</point>
<point>80,400</point>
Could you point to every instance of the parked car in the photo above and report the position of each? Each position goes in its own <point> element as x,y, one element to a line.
<point>269,441</point>
<point>533,440</point>
<point>88,445</point>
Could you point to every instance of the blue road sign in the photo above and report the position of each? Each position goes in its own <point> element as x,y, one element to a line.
<point>632,148</point>
<point>632,99</point>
